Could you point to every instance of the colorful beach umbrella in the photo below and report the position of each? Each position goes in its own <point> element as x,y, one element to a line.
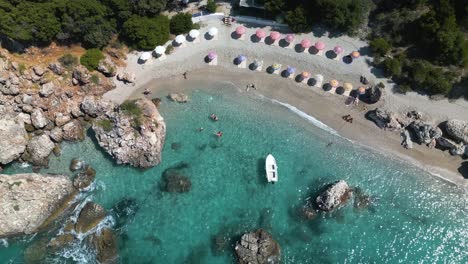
<point>361,90</point>
<point>305,43</point>
<point>194,33</point>
<point>305,75</point>
<point>145,56</point>
<point>180,39</point>
<point>355,54</point>
<point>347,86</point>
<point>319,45</point>
<point>213,31</point>
<point>290,70</point>
<point>212,55</point>
<point>160,50</point>
<point>275,66</point>
<point>289,38</point>
<point>275,35</point>
<point>334,83</point>
<point>338,50</point>
<point>260,33</point>
<point>240,30</point>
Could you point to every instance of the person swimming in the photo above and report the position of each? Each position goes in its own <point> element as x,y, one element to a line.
<point>219,134</point>
<point>214,117</point>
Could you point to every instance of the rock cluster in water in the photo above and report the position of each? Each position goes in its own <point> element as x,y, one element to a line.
<point>258,248</point>
<point>334,196</point>
<point>29,200</point>
<point>133,133</point>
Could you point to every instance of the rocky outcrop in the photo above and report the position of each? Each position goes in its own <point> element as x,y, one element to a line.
<point>76,164</point>
<point>13,139</point>
<point>73,131</point>
<point>458,129</point>
<point>132,134</point>
<point>28,200</point>
<point>258,248</point>
<point>454,148</point>
<point>80,75</point>
<point>84,179</point>
<point>94,106</point>
<point>56,68</point>
<point>178,97</point>
<point>335,195</point>
<point>47,89</point>
<point>39,149</point>
<point>105,245</point>
<point>425,133</point>
<point>107,67</point>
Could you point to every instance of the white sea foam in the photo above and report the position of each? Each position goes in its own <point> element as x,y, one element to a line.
<point>24,165</point>
<point>307,117</point>
<point>4,242</point>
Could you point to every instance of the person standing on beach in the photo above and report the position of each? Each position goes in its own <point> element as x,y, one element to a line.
<point>185,75</point>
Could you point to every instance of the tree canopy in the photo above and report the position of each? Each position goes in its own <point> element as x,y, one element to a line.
<point>146,33</point>
<point>181,23</point>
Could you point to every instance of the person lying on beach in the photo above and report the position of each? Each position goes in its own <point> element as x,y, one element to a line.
<point>347,118</point>
<point>185,75</point>
<point>147,91</point>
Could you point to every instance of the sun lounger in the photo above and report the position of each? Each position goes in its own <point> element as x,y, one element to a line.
<point>214,62</point>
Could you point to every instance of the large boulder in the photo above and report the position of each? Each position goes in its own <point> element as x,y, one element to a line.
<point>81,75</point>
<point>29,200</point>
<point>56,68</point>
<point>94,106</point>
<point>132,134</point>
<point>178,97</point>
<point>38,118</point>
<point>334,196</point>
<point>13,139</point>
<point>107,67</point>
<point>47,89</point>
<point>73,131</point>
<point>458,129</point>
<point>105,245</point>
<point>258,248</point>
<point>126,77</point>
<point>425,133</point>
<point>84,179</point>
<point>39,149</point>
<point>384,119</point>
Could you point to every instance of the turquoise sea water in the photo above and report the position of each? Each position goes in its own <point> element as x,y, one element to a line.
<point>415,218</point>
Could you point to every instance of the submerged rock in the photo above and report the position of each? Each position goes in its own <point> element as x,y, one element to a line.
<point>84,179</point>
<point>337,194</point>
<point>13,139</point>
<point>76,164</point>
<point>361,200</point>
<point>174,179</point>
<point>105,245</point>
<point>89,217</point>
<point>178,97</point>
<point>258,248</point>
<point>458,129</point>
<point>136,136</point>
<point>29,200</point>
<point>124,211</point>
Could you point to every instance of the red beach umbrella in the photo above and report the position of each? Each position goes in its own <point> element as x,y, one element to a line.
<point>260,33</point>
<point>338,50</point>
<point>305,43</point>
<point>240,30</point>
<point>274,35</point>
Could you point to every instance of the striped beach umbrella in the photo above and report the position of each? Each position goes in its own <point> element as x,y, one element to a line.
<point>334,83</point>
<point>289,38</point>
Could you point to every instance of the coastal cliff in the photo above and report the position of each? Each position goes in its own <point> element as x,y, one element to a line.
<point>133,133</point>
<point>28,200</point>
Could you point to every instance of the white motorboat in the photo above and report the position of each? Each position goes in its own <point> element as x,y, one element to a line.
<point>271,169</point>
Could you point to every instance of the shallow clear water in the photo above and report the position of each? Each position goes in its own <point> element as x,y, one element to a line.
<point>414,218</point>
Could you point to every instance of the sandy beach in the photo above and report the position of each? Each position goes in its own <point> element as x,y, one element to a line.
<point>326,107</point>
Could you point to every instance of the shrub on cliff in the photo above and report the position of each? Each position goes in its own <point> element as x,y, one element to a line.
<point>297,20</point>
<point>91,59</point>
<point>380,46</point>
<point>146,33</point>
<point>181,23</point>
<point>68,61</point>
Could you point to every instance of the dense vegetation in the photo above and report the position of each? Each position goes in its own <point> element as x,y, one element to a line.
<point>91,59</point>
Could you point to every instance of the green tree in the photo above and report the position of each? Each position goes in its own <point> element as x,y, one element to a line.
<point>297,20</point>
<point>91,59</point>
<point>392,67</point>
<point>148,7</point>
<point>87,21</point>
<point>146,33</point>
<point>181,23</point>
<point>211,6</point>
<point>380,46</point>
<point>274,6</point>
